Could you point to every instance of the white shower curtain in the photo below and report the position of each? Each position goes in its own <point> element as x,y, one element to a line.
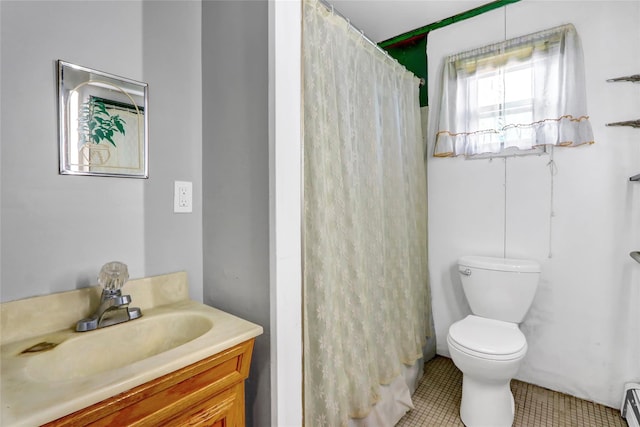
<point>366,297</point>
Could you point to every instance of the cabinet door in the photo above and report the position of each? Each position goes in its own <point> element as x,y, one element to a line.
<point>224,410</point>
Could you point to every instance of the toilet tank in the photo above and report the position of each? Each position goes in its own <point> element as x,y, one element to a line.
<point>499,288</point>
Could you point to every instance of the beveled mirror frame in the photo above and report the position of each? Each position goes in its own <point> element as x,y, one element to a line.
<point>103,123</point>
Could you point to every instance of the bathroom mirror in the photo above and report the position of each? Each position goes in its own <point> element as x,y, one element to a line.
<point>102,122</point>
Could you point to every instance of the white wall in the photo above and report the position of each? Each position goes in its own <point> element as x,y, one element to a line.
<point>58,230</point>
<point>583,329</point>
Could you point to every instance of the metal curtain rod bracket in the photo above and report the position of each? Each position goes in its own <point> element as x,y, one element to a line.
<point>631,123</point>
<point>635,178</point>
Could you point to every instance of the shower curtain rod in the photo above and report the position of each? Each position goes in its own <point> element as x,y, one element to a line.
<point>361,32</point>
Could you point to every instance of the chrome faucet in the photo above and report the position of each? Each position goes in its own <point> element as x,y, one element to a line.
<point>114,307</point>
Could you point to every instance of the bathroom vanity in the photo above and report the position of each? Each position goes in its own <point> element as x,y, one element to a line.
<point>206,393</point>
<point>181,363</point>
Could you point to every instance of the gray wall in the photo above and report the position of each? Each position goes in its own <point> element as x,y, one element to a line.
<point>58,230</point>
<point>173,68</point>
<point>236,176</point>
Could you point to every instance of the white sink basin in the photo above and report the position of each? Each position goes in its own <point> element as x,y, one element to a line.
<point>89,353</point>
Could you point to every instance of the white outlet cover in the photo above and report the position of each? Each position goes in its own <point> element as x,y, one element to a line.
<point>183,197</point>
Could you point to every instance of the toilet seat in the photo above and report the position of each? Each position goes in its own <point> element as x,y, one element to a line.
<point>488,338</point>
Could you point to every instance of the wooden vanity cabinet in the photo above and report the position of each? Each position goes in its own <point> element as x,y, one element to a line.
<point>207,393</point>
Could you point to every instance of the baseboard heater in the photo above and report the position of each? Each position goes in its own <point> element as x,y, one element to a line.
<point>630,408</point>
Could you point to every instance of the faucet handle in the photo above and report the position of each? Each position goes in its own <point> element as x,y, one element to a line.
<point>113,275</point>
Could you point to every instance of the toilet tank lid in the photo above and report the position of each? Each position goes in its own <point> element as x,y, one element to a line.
<point>500,264</point>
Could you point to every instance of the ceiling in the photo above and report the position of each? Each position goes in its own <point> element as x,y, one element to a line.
<point>383,19</point>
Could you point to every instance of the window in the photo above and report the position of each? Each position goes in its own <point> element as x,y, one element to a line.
<point>519,95</point>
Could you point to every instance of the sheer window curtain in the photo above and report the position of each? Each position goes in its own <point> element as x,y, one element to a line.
<point>522,93</point>
<point>366,296</point>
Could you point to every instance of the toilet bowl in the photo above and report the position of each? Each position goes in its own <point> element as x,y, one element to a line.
<point>488,352</point>
<point>488,346</point>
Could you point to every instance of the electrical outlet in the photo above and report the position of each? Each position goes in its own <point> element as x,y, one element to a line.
<point>183,197</point>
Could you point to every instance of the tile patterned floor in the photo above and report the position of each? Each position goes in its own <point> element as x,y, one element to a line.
<point>437,403</point>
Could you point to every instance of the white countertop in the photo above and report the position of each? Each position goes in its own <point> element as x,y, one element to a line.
<point>28,400</point>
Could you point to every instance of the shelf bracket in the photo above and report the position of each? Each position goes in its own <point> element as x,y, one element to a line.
<point>634,78</point>
<point>631,123</point>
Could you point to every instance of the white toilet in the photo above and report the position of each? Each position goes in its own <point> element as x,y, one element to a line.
<point>487,346</point>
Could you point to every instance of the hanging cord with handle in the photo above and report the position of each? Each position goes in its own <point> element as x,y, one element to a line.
<point>553,170</point>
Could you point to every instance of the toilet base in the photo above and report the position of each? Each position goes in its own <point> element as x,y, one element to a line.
<point>486,404</point>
